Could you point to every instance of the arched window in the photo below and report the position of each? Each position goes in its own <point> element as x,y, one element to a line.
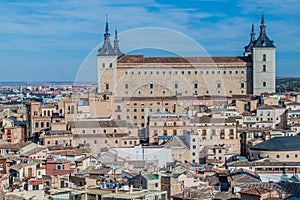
<point>47,124</point>
<point>296,156</point>
<point>287,156</point>
<point>42,124</point>
<point>36,124</point>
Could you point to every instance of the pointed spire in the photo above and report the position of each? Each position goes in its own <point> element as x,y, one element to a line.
<point>262,25</point>
<point>263,18</point>
<point>116,44</point>
<point>106,48</point>
<point>116,41</point>
<point>252,33</point>
<point>263,40</point>
<point>106,34</point>
<point>248,48</point>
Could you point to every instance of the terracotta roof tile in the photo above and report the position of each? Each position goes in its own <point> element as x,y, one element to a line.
<point>142,59</point>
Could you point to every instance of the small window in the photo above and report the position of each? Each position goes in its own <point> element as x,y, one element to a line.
<point>106,86</point>
<point>242,85</point>
<point>277,156</point>
<point>126,86</point>
<point>110,65</point>
<point>287,156</point>
<point>151,85</point>
<point>103,65</point>
<point>195,85</point>
<point>176,85</point>
<point>264,84</point>
<point>264,68</point>
<point>219,85</point>
<point>264,57</point>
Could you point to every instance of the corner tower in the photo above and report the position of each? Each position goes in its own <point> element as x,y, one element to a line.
<point>107,63</point>
<point>264,62</point>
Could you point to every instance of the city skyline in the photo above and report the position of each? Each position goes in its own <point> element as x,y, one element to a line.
<point>44,41</point>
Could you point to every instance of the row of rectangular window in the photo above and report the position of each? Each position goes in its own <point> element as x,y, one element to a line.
<point>151,86</point>
<point>187,72</point>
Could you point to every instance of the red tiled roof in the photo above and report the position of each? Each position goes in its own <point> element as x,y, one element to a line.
<point>142,59</point>
<point>35,182</point>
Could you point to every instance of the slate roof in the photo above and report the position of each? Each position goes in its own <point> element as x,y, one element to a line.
<point>106,49</point>
<point>263,41</point>
<point>288,143</point>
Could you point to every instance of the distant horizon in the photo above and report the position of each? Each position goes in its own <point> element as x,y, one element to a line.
<point>83,82</point>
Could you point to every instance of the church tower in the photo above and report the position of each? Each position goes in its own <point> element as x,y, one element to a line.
<point>107,63</point>
<point>264,62</point>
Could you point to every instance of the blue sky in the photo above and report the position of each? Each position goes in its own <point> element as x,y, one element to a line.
<point>49,39</point>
